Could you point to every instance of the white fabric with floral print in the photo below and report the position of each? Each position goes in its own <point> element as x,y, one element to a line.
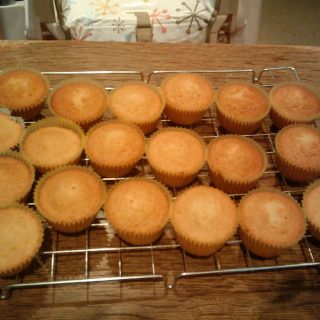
<point>114,20</point>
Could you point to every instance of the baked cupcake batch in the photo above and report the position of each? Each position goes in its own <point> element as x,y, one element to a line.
<point>69,195</point>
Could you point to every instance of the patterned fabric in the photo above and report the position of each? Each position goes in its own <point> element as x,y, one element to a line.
<point>114,20</point>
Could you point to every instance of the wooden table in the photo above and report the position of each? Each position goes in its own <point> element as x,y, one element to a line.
<point>264,295</point>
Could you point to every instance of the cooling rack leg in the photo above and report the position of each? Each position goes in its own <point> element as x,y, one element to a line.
<point>173,283</point>
<point>5,293</point>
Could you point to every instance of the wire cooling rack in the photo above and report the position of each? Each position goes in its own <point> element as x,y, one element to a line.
<point>99,255</point>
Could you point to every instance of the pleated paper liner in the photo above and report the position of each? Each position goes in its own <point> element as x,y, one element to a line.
<point>23,186</point>
<point>246,123</point>
<point>281,118</point>
<point>84,118</point>
<point>175,111</point>
<point>142,234</point>
<point>27,109</point>
<point>259,245</point>
<point>185,175</point>
<point>313,218</point>
<point>292,171</point>
<point>236,185</point>
<point>11,130</point>
<point>56,159</point>
<point>183,118</point>
<point>198,247</point>
<point>21,234</point>
<point>123,165</point>
<point>70,222</point>
<point>147,125</point>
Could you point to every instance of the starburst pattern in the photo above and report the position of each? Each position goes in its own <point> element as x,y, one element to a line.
<point>118,25</point>
<point>194,15</point>
<point>77,33</point>
<point>156,15</point>
<point>105,7</point>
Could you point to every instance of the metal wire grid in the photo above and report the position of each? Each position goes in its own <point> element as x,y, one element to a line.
<point>307,250</point>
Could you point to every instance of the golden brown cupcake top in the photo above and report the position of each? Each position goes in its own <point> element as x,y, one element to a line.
<point>236,158</point>
<point>203,214</point>
<point>272,217</point>
<point>176,150</point>
<point>10,132</point>
<point>300,145</point>
<point>311,204</point>
<point>79,100</point>
<point>16,178</point>
<point>242,100</point>
<point>188,92</point>
<point>69,194</point>
<point>114,143</point>
<point>52,146</point>
<point>136,102</point>
<point>21,235</point>
<point>22,88</point>
<point>295,101</point>
<point>138,206</point>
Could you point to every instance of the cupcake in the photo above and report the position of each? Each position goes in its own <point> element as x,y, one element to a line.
<point>241,107</point>
<point>70,197</point>
<point>175,155</point>
<point>298,152</point>
<point>138,103</point>
<point>187,96</point>
<point>235,163</point>
<point>80,100</point>
<point>138,209</point>
<point>293,103</point>
<point>21,235</point>
<point>52,142</point>
<point>311,207</point>
<point>11,131</point>
<point>203,218</point>
<point>23,91</point>
<point>270,222</point>
<point>17,176</point>
<point>114,147</point>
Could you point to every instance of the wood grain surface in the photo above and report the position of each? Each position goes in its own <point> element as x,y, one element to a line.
<point>265,295</point>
